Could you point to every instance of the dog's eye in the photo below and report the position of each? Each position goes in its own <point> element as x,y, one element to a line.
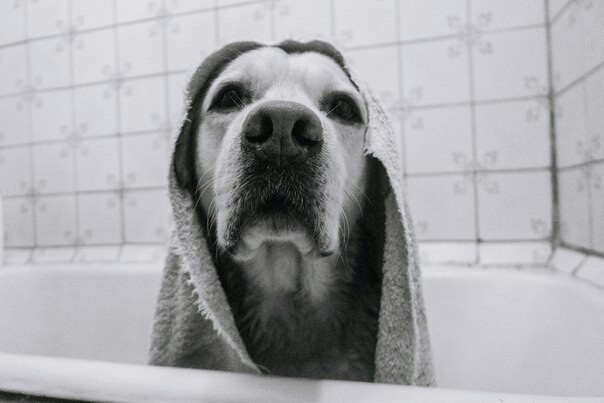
<point>343,109</point>
<point>230,97</point>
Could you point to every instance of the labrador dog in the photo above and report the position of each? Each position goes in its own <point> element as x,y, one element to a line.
<point>284,190</point>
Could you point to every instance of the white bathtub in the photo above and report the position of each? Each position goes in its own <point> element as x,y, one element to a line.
<point>82,331</point>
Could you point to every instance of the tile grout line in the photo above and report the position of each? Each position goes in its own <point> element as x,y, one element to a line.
<point>560,12</point>
<point>577,81</point>
<point>588,177</point>
<point>29,106</point>
<point>166,136</point>
<point>98,83</point>
<point>74,133</point>
<point>470,50</point>
<point>401,96</point>
<point>581,165</point>
<point>551,96</point>
<point>118,105</point>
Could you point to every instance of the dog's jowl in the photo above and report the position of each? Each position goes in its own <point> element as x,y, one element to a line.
<point>281,222</point>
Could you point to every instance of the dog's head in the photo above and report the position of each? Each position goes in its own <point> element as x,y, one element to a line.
<point>273,147</point>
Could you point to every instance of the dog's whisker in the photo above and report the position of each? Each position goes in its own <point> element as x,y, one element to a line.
<point>354,199</point>
<point>361,191</point>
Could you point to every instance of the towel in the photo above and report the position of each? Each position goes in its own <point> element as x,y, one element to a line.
<point>194,326</point>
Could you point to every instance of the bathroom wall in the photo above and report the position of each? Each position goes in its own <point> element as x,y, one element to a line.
<point>577,32</point>
<point>91,90</point>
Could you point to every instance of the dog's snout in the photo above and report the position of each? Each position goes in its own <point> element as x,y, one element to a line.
<point>283,132</point>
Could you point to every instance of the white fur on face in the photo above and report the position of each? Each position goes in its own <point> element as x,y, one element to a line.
<point>272,74</point>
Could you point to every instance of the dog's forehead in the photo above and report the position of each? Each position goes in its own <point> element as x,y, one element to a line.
<point>314,71</point>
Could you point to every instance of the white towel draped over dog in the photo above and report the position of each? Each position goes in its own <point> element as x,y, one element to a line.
<point>194,326</point>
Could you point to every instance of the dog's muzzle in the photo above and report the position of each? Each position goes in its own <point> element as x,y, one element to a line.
<point>282,132</point>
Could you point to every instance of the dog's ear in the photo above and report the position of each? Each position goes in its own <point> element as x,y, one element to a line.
<point>184,159</point>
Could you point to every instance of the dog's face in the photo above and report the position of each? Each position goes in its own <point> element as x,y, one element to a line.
<point>280,156</point>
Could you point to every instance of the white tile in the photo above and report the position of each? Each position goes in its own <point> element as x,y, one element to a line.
<point>498,14</point>
<point>51,115</point>
<point>13,69</point>
<point>140,49</point>
<point>571,127</point>
<point>250,22</point>
<point>49,63</point>
<point>53,168</point>
<point>176,98</point>
<point>576,40</point>
<point>98,164</point>
<point>143,104</point>
<point>96,110</point>
<point>513,135</point>
<point>447,252</point>
<point>597,194</point>
<point>146,216</point>
<point>593,271</point>
<point>431,18</point>
<point>18,222</point>
<point>356,22</point>
<point>14,121</point>
<point>93,254</point>
<point>132,10</point>
<point>442,207</point>
<point>594,95</point>
<point>190,38</point>
<point>99,218</point>
<point>379,67</point>
<point>88,14</point>
<point>179,6</point>
<point>15,171</point>
<point>302,20</point>
<point>53,255</point>
<point>12,28</point>
<point>591,23</point>
<point>435,73</point>
<point>574,207</point>
<point>94,56</point>
<point>47,17</point>
<point>56,220</point>
<point>438,140</point>
<point>566,260</point>
<point>515,205</point>
<point>531,253</point>
<point>144,160</point>
<point>510,64</point>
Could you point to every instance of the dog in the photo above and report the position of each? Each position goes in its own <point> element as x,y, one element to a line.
<point>284,193</point>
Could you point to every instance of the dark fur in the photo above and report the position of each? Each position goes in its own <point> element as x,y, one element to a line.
<point>335,340</point>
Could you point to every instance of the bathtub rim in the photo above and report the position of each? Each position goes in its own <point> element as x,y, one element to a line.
<point>70,378</point>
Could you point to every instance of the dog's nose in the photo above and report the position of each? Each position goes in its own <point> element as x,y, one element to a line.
<point>283,132</point>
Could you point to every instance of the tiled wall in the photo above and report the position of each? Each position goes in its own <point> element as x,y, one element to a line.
<point>577,38</point>
<point>90,91</point>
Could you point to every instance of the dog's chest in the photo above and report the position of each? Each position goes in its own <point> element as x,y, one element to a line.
<point>317,321</point>
<point>292,335</point>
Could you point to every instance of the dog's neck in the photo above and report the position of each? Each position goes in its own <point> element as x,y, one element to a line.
<point>302,317</point>
<point>279,269</point>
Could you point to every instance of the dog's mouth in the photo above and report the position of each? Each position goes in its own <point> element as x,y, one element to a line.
<point>274,206</point>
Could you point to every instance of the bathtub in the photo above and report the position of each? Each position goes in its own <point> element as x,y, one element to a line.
<point>498,335</point>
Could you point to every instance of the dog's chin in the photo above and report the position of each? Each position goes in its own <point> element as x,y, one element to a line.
<point>276,231</point>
